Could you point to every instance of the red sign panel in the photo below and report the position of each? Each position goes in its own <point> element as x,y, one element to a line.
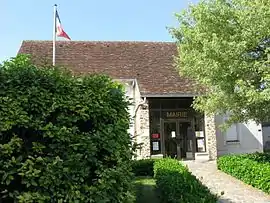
<point>155,136</point>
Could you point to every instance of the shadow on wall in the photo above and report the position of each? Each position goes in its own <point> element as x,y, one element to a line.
<point>249,140</point>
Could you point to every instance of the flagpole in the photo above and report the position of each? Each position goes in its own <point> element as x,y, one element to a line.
<point>54,33</point>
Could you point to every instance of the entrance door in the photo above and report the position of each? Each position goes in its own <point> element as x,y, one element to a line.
<point>175,139</point>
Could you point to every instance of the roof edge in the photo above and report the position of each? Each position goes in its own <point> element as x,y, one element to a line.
<point>170,95</point>
<point>102,41</point>
<point>21,47</point>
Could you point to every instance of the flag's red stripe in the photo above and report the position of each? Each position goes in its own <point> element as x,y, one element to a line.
<point>62,33</point>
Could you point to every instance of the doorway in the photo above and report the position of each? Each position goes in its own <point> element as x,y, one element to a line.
<point>175,139</point>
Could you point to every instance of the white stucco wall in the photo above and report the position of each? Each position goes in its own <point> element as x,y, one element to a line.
<point>249,136</point>
<point>132,92</point>
<point>139,125</point>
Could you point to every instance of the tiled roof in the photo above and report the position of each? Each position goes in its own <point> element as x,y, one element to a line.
<point>151,63</point>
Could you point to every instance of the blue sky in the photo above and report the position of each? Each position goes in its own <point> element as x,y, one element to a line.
<point>137,20</point>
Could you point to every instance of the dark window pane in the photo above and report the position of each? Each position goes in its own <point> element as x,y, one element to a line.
<point>200,134</point>
<point>169,135</point>
<point>154,104</point>
<point>168,104</point>
<point>184,103</point>
<point>155,130</point>
<point>154,122</point>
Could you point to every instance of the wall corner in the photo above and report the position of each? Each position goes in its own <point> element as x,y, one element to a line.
<point>211,139</point>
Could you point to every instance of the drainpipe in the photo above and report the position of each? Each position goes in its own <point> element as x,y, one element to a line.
<point>135,137</point>
<point>135,114</point>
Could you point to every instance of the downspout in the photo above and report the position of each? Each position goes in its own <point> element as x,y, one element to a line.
<point>135,118</point>
<point>135,114</point>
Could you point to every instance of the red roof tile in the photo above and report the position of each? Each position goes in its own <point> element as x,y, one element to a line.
<point>151,63</point>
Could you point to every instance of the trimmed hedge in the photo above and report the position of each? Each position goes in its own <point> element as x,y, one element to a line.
<point>63,138</point>
<point>176,184</point>
<point>259,157</point>
<point>143,167</point>
<point>252,169</point>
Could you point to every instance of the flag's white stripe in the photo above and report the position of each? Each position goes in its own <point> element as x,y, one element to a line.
<point>58,27</point>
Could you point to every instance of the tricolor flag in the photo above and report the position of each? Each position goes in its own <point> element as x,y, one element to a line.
<point>57,31</point>
<point>59,28</point>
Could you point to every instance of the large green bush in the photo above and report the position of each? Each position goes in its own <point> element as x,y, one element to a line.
<point>177,185</point>
<point>253,169</point>
<point>63,138</point>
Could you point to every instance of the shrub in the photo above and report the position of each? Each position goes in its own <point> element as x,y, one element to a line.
<point>253,169</point>
<point>144,167</point>
<point>62,138</point>
<point>176,184</point>
<point>259,157</point>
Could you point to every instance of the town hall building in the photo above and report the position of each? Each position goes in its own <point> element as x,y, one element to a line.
<point>162,119</point>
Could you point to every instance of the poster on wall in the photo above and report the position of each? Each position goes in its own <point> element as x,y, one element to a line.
<point>173,134</point>
<point>155,136</point>
<point>201,145</point>
<point>155,146</point>
<point>199,134</point>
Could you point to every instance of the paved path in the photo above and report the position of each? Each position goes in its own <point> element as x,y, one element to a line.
<point>218,182</point>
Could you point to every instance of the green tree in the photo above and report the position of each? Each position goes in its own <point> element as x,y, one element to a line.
<point>224,46</point>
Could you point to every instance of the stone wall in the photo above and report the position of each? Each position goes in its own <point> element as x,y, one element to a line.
<point>211,139</point>
<point>143,132</point>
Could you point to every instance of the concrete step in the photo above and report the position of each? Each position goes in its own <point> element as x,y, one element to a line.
<point>202,156</point>
<point>157,156</point>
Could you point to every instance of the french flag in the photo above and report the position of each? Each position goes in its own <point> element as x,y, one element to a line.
<point>59,28</point>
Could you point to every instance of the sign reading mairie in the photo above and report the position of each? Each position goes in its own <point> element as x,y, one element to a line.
<point>176,114</point>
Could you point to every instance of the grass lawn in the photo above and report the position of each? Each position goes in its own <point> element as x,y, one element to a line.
<point>146,190</point>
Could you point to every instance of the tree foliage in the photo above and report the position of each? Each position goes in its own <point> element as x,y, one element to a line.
<point>225,46</point>
<point>63,138</point>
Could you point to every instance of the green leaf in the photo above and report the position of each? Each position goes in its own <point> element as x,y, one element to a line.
<point>63,137</point>
<point>223,48</point>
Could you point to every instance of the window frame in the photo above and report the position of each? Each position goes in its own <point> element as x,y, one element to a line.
<point>237,130</point>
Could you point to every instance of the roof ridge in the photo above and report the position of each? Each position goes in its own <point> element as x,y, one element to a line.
<point>101,41</point>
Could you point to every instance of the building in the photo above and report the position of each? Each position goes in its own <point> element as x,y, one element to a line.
<point>163,121</point>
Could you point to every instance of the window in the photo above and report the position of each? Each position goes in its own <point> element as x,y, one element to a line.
<point>232,133</point>
<point>266,124</point>
<point>155,132</point>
